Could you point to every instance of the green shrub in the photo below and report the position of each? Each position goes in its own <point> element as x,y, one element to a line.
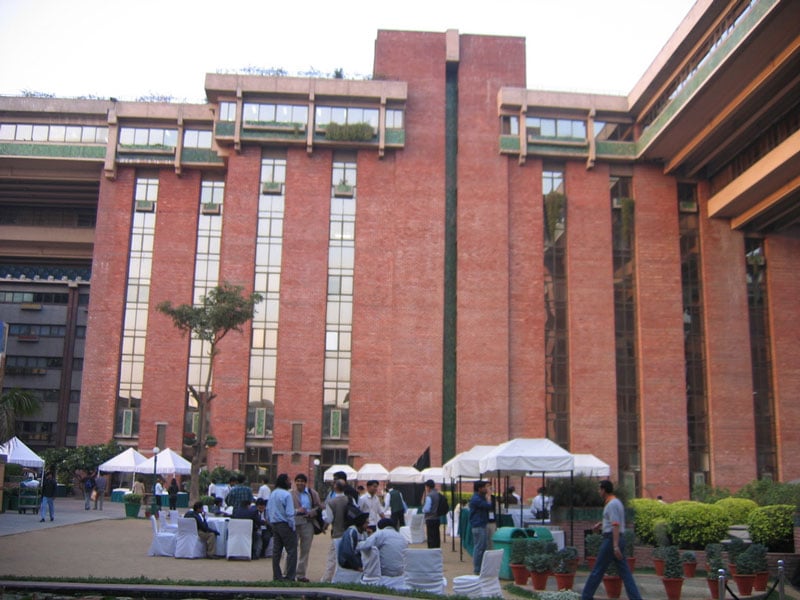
<point>592,544</point>
<point>207,500</point>
<point>709,494</point>
<point>518,550</point>
<point>673,567</point>
<point>773,527</point>
<point>645,512</point>
<point>694,524</point>
<point>350,132</point>
<point>766,492</point>
<point>737,509</point>
<point>735,547</point>
<point>661,532</point>
<point>584,491</point>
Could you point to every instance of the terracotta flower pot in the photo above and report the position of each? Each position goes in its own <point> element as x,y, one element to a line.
<point>520,573</point>
<point>565,581</point>
<point>539,580</point>
<point>744,583</point>
<point>761,581</point>
<point>673,586</point>
<point>631,563</point>
<point>713,587</point>
<point>689,569</point>
<point>658,565</point>
<point>590,560</point>
<point>612,585</point>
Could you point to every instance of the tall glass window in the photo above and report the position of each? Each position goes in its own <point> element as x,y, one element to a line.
<point>628,438</point>
<point>206,277</point>
<point>339,316</point>
<point>137,300</point>
<point>761,359</point>
<point>264,345</point>
<point>556,348</point>
<point>693,336</point>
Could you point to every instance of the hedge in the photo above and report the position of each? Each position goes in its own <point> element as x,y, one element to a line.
<point>694,524</point>
<point>646,511</point>
<point>738,509</point>
<point>773,527</point>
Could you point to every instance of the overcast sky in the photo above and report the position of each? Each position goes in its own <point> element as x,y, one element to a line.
<point>134,48</point>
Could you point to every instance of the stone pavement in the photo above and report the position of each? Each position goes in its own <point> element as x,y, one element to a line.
<point>105,544</point>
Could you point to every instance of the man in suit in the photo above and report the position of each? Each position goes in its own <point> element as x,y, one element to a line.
<point>208,535</point>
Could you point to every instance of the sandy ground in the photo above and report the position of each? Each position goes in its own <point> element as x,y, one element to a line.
<point>106,545</point>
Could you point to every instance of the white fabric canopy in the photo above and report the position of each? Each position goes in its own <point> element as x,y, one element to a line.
<point>588,465</point>
<point>404,475</point>
<point>373,471</point>
<point>328,474</point>
<point>466,464</point>
<point>19,454</point>
<point>125,462</point>
<point>435,473</point>
<point>523,456</point>
<point>168,462</point>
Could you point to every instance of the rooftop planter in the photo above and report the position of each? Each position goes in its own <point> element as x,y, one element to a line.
<point>145,206</point>
<point>212,208</point>
<point>343,190</point>
<point>349,132</point>
<point>271,187</point>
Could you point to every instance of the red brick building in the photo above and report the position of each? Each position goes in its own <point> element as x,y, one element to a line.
<point>447,258</point>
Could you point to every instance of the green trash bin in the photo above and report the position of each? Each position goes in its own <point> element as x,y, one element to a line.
<point>540,533</point>
<point>501,540</point>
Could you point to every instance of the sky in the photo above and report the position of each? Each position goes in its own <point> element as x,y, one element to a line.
<point>129,49</point>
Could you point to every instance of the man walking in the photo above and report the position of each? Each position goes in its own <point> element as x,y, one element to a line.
<point>371,504</point>
<point>306,507</point>
<point>612,548</point>
<point>49,487</point>
<point>396,505</point>
<point>479,508</point>
<point>280,509</point>
<point>337,504</point>
<point>431,511</point>
<point>100,488</point>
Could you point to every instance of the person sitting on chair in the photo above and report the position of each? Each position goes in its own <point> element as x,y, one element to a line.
<point>204,532</point>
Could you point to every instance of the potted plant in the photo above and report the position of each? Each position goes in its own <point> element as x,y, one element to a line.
<point>629,541</point>
<point>759,552</point>
<point>673,573</point>
<point>735,547</point>
<point>612,582</point>
<point>714,564</point>
<point>211,441</point>
<point>516,560</point>
<point>591,546</point>
<point>343,189</point>
<point>746,566</point>
<point>659,559</point>
<point>133,502</point>
<point>540,564</point>
<point>689,560</point>
<point>565,565</point>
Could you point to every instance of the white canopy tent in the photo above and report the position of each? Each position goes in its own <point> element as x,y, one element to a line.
<point>125,462</point>
<point>466,464</point>
<point>588,465</point>
<point>526,456</point>
<point>372,471</point>
<point>19,454</point>
<point>405,475</point>
<point>348,470</point>
<point>168,462</point>
<point>435,473</point>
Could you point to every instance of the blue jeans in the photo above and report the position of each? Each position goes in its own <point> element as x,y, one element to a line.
<point>604,558</point>
<point>46,502</point>
<point>480,540</point>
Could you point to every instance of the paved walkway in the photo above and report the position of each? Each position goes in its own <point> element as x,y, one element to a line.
<point>104,544</point>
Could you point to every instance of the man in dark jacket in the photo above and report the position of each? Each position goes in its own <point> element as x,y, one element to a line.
<point>204,532</point>
<point>49,487</point>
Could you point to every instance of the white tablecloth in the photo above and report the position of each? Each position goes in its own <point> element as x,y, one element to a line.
<point>220,524</point>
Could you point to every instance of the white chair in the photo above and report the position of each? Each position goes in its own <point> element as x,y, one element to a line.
<point>162,522</point>
<point>485,585</point>
<point>240,539</point>
<point>174,515</point>
<point>414,532</point>
<point>372,573</point>
<point>163,543</point>
<point>342,575</point>
<point>424,570</point>
<point>187,543</point>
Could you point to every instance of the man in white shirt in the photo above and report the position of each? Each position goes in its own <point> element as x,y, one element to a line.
<point>263,491</point>
<point>542,505</point>
<point>371,504</point>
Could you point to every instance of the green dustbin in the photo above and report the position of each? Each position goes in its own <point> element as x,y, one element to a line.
<point>540,533</point>
<point>501,540</point>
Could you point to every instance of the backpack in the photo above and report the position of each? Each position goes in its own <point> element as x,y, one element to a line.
<point>350,514</point>
<point>443,507</point>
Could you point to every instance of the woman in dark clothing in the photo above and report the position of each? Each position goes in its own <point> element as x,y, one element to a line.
<point>173,490</point>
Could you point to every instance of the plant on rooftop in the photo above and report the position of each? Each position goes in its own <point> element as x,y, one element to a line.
<point>349,132</point>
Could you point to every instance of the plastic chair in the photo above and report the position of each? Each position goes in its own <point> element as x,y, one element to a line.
<point>424,570</point>
<point>187,543</point>
<point>163,543</point>
<point>414,532</point>
<point>342,575</point>
<point>485,585</point>
<point>240,539</point>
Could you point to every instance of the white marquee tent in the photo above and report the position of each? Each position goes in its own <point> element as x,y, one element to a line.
<point>347,469</point>
<point>168,462</point>
<point>19,454</point>
<point>405,475</point>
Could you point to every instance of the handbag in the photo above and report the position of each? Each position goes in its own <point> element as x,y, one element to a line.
<point>318,523</point>
<point>94,495</point>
